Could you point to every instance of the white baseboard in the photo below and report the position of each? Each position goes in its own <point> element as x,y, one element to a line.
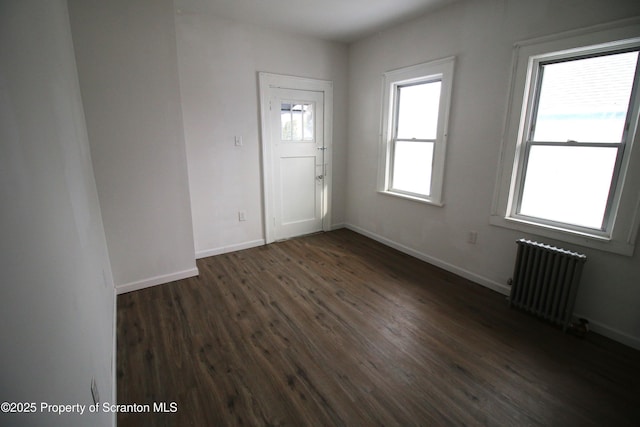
<point>158,280</point>
<point>231,248</point>
<point>488,283</point>
<point>337,226</point>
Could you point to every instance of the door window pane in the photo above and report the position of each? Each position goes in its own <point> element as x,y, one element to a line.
<point>285,121</point>
<point>568,184</point>
<point>418,110</point>
<point>297,121</point>
<point>412,164</point>
<point>307,121</point>
<point>585,100</point>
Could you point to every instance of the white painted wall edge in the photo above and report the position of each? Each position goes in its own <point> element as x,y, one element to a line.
<point>612,333</point>
<point>230,248</point>
<point>487,283</point>
<point>158,280</point>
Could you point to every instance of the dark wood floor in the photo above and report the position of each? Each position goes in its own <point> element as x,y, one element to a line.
<point>336,329</point>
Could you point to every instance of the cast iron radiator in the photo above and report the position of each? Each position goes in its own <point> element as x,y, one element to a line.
<point>545,281</point>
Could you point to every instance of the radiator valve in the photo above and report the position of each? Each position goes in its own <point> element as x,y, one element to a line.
<point>580,328</point>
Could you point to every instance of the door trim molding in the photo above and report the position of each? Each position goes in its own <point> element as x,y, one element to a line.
<point>268,81</point>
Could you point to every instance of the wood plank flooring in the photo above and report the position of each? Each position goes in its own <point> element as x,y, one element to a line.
<point>335,329</point>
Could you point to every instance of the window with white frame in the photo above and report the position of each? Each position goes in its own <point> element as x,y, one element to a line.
<point>570,136</point>
<point>415,112</point>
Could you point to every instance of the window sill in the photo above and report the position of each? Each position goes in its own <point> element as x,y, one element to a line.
<point>412,198</point>
<point>593,241</point>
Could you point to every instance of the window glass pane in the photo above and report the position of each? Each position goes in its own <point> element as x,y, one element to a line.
<point>568,184</point>
<point>307,119</point>
<point>585,100</point>
<point>296,122</point>
<point>412,164</point>
<point>285,121</point>
<point>418,110</point>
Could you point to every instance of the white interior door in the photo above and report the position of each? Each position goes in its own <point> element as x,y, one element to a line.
<point>296,127</point>
<point>297,163</point>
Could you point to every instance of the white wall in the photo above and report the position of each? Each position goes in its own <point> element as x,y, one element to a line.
<point>481,35</point>
<point>56,297</point>
<point>128,68</point>
<point>219,61</point>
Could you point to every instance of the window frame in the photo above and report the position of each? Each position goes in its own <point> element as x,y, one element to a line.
<point>438,70</point>
<point>620,224</point>
<point>532,105</point>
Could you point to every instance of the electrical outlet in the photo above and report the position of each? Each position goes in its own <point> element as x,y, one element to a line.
<point>472,237</point>
<point>94,392</point>
<point>238,141</point>
<point>242,216</point>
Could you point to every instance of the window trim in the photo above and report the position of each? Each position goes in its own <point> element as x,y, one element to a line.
<point>620,229</point>
<point>438,70</point>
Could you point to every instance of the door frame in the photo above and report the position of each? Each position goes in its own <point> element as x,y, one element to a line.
<point>267,82</point>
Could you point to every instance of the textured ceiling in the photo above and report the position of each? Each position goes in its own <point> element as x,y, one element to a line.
<point>337,20</point>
